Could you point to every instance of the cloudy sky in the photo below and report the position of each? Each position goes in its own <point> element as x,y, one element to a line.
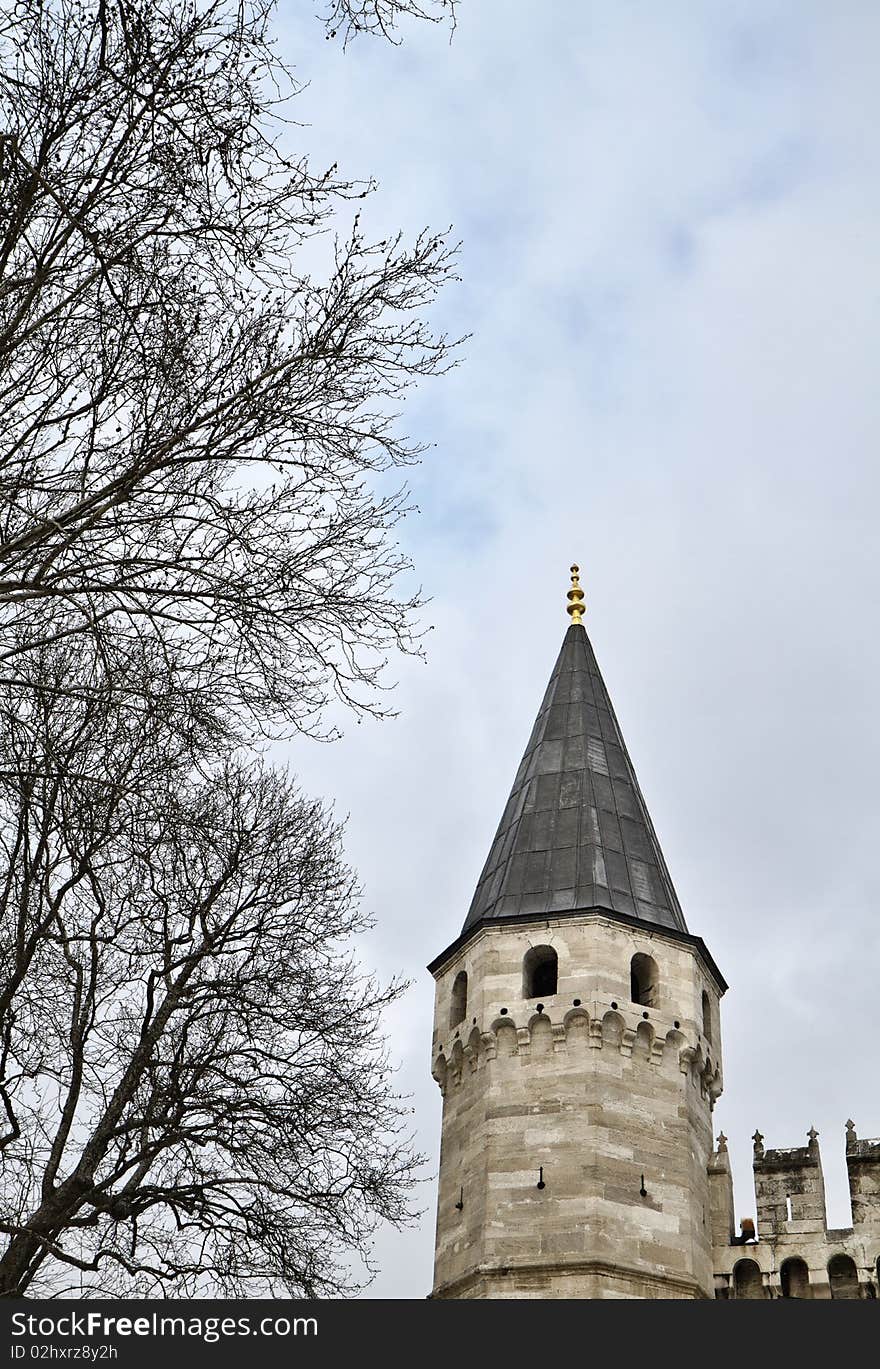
<point>669,219</point>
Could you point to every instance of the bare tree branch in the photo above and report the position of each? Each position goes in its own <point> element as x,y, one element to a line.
<point>199,397</point>
<point>195,1091</point>
<point>382,17</point>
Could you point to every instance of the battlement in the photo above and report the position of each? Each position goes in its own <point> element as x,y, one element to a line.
<point>787,1158</point>
<point>864,1150</point>
<point>789,1188</point>
<point>596,1024</point>
<point>795,1253</point>
<point>863,1172</point>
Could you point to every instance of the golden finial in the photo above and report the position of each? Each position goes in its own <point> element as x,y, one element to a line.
<point>576,597</point>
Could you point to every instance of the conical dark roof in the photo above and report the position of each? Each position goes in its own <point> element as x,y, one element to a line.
<point>576,832</point>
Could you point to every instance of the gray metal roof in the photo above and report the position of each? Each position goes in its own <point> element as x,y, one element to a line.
<point>576,832</point>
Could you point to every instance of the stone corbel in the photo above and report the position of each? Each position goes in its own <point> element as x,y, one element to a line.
<point>489,1045</point>
<point>686,1057</point>
<point>440,1072</point>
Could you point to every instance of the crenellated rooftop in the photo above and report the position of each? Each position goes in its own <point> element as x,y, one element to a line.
<point>794,1252</point>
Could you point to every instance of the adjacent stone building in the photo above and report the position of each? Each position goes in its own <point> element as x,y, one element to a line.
<point>797,1255</point>
<point>577,1044</point>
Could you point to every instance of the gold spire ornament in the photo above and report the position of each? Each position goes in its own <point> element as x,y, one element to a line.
<point>576,606</point>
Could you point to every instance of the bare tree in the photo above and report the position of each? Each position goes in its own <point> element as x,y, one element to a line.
<point>194,1097</point>
<point>199,387</point>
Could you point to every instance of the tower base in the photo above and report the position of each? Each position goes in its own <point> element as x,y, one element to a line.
<point>590,1279</point>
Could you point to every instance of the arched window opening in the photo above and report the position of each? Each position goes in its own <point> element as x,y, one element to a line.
<point>843,1277</point>
<point>795,1279</point>
<point>540,972</point>
<point>643,980</point>
<point>707,1016</point>
<point>747,1281</point>
<point>458,1003</point>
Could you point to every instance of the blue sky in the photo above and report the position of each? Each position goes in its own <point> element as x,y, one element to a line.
<point>669,217</point>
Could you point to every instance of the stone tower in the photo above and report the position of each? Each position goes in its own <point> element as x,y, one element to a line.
<point>576,1034</point>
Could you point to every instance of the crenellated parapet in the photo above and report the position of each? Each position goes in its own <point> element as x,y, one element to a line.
<point>794,1253</point>
<point>863,1172</point>
<point>789,1188</point>
<point>598,1025</point>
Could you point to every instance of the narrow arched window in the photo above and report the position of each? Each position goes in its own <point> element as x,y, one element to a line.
<point>643,980</point>
<point>707,1016</point>
<point>843,1277</point>
<point>747,1281</point>
<point>540,972</point>
<point>458,1003</point>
